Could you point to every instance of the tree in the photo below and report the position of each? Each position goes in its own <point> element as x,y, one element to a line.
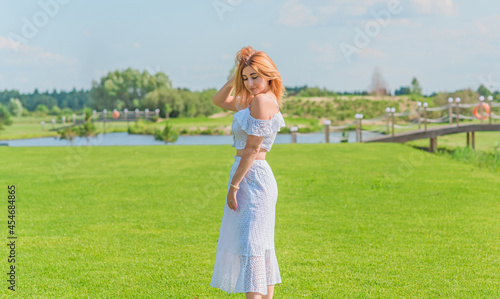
<point>168,134</point>
<point>379,86</point>
<point>162,96</point>
<point>4,117</point>
<point>402,91</point>
<point>42,109</point>
<point>416,89</point>
<point>15,107</point>
<point>128,86</point>
<point>67,133</point>
<point>483,91</point>
<point>55,111</point>
<point>88,128</point>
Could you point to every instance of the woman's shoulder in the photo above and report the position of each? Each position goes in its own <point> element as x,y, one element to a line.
<point>263,107</point>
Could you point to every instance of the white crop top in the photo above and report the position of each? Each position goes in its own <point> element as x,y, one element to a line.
<point>244,124</point>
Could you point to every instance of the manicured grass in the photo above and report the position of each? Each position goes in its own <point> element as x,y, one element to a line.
<point>353,221</point>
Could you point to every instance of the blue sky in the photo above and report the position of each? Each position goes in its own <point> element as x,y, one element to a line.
<point>62,44</point>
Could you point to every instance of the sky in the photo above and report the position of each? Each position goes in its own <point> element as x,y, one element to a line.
<point>64,44</point>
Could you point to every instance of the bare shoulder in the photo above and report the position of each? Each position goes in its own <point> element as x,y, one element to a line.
<point>262,107</point>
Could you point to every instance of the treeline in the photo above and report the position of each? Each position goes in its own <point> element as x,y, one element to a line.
<point>75,99</point>
<point>128,89</point>
<point>132,89</point>
<point>338,109</point>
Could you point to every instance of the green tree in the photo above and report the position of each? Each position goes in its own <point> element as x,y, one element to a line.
<point>55,111</point>
<point>168,134</point>
<point>128,86</point>
<point>42,109</point>
<point>416,89</point>
<point>4,117</point>
<point>483,91</point>
<point>168,109</point>
<point>15,107</point>
<point>67,133</point>
<point>87,129</point>
<point>160,97</point>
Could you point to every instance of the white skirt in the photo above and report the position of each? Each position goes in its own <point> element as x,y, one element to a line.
<point>245,259</point>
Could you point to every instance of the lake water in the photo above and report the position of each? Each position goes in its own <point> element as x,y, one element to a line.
<point>110,139</point>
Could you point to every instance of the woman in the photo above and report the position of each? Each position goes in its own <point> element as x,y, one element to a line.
<point>245,261</point>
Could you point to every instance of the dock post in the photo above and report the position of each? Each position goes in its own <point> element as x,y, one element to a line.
<point>450,110</point>
<point>490,98</point>
<point>327,130</point>
<point>433,144</point>
<point>473,133</point>
<point>457,100</point>
<point>359,129</point>
<point>425,115</point>
<point>393,110</point>
<point>387,115</point>
<point>294,130</point>
<point>418,112</point>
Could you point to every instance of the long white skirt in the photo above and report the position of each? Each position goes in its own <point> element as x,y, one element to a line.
<point>245,259</point>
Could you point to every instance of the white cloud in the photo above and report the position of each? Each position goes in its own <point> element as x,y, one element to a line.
<point>137,45</point>
<point>226,56</point>
<point>322,53</point>
<point>368,52</point>
<point>435,7</point>
<point>27,54</point>
<point>296,15</point>
<point>327,48</point>
<point>488,27</point>
<point>299,13</point>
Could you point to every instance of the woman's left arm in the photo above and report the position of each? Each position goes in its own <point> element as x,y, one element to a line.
<point>250,152</point>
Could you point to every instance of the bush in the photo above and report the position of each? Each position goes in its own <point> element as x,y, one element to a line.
<point>168,134</point>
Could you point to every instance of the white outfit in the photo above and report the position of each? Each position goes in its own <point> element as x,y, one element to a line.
<point>245,260</point>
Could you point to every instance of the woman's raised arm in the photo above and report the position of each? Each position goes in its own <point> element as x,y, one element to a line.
<point>223,97</point>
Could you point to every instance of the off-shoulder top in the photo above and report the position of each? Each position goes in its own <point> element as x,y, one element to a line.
<point>245,124</point>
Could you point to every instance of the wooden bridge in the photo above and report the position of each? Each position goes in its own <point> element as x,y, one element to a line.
<point>433,133</point>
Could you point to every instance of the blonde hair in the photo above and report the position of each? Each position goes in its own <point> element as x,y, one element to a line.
<point>264,66</point>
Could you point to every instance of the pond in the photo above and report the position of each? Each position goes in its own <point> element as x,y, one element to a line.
<point>110,139</point>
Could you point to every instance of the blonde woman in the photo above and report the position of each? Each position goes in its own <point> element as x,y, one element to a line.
<point>245,261</point>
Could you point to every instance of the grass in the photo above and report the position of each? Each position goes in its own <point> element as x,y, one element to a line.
<point>353,221</point>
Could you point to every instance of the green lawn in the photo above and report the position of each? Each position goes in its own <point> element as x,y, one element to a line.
<point>353,221</point>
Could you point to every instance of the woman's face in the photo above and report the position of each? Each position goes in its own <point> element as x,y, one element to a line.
<point>253,81</point>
